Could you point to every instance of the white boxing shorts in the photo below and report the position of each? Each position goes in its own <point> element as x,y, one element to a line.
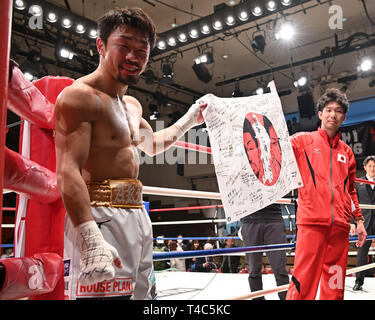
<point>116,206</point>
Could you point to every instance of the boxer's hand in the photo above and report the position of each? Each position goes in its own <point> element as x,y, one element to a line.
<point>192,117</point>
<point>97,255</point>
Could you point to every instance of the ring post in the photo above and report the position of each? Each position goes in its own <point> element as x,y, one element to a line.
<point>6,20</point>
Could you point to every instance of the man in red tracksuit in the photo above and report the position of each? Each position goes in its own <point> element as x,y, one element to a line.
<point>326,202</point>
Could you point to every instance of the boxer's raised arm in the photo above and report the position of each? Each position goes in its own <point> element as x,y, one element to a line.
<point>153,143</point>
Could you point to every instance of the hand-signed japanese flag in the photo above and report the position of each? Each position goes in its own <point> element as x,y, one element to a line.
<point>253,157</point>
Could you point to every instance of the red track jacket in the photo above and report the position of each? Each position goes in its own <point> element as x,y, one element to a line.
<point>327,167</point>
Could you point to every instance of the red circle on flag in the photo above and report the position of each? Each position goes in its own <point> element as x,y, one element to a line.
<point>262,148</point>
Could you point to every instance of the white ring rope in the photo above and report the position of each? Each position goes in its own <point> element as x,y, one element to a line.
<point>169,192</point>
<point>189,222</point>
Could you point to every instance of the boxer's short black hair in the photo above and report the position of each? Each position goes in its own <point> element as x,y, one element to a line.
<point>367,159</point>
<point>129,16</point>
<point>333,95</point>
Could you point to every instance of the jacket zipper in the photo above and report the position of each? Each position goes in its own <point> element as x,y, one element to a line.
<point>330,158</point>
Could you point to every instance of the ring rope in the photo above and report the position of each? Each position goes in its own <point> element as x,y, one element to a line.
<point>197,238</point>
<point>211,195</point>
<point>218,252</point>
<point>187,208</point>
<point>14,124</point>
<point>9,209</point>
<point>206,238</point>
<point>189,222</point>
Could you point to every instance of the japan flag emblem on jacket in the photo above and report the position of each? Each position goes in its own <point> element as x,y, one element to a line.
<point>341,158</point>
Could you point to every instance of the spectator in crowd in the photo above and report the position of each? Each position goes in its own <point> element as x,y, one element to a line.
<point>7,253</point>
<point>204,264</point>
<point>180,242</point>
<point>296,126</point>
<point>230,264</point>
<point>195,245</point>
<point>160,247</point>
<point>176,263</point>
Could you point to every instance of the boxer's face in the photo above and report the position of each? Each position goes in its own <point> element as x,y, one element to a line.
<point>370,168</point>
<point>126,54</point>
<point>332,116</point>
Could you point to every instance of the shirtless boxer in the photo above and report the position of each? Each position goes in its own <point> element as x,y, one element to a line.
<point>108,234</point>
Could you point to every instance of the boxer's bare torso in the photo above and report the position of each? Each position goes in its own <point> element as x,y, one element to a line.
<point>96,136</point>
<point>108,132</point>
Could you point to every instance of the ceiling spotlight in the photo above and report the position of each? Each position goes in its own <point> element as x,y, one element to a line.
<point>202,73</point>
<point>286,32</point>
<point>167,71</point>
<point>205,29</point>
<point>80,28</point>
<point>366,65</point>
<point>193,33</point>
<point>66,54</point>
<point>271,5</point>
<point>243,16</point>
<point>52,17</point>
<point>154,115</point>
<point>261,87</point>
<point>230,21</point>
<point>217,25</point>
<point>237,91</point>
<point>67,23</point>
<point>301,82</point>
<point>161,45</point>
<point>20,4</point>
<point>93,34</point>
<point>36,10</point>
<point>259,42</point>
<point>154,111</point>
<point>182,37</point>
<point>286,2</point>
<point>172,41</point>
<point>260,90</point>
<point>206,57</point>
<point>257,11</point>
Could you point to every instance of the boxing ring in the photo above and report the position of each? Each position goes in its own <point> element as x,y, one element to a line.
<point>190,283</point>
<point>31,174</point>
